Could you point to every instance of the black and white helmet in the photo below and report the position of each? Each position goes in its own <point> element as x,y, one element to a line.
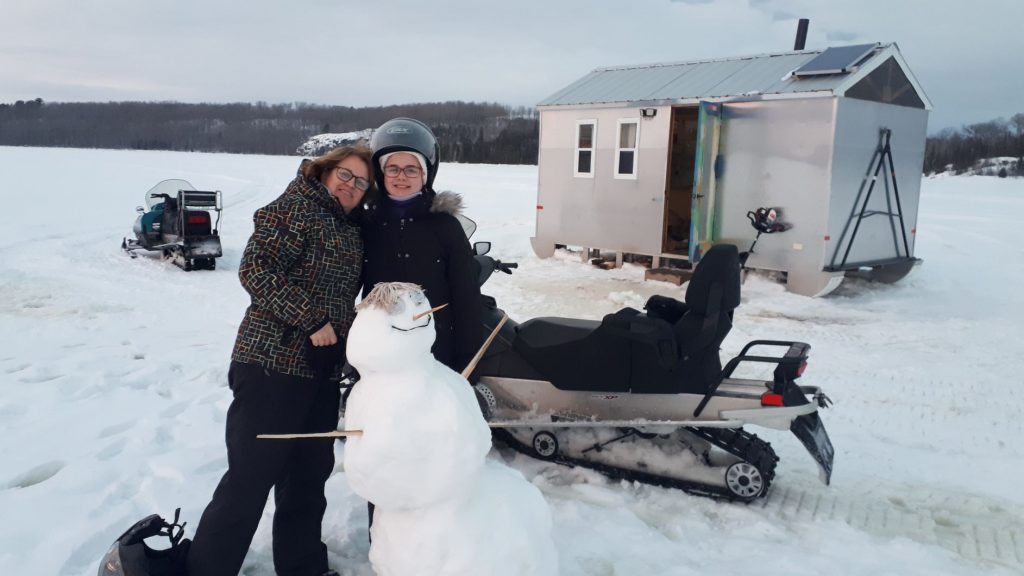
<point>405,135</point>
<point>130,556</point>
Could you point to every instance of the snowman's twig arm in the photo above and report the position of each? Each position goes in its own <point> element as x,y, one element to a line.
<point>334,434</point>
<point>341,433</point>
<point>480,352</point>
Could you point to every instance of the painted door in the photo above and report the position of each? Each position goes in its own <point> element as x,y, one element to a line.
<point>702,218</point>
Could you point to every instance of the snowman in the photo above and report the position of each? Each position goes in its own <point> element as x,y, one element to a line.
<point>442,506</point>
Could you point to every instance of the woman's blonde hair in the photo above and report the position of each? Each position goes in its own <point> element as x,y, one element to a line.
<point>315,169</point>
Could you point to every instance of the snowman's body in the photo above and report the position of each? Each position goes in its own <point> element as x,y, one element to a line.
<point>442,508</point>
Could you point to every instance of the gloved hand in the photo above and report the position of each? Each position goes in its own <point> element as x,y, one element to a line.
<point>323,359</point>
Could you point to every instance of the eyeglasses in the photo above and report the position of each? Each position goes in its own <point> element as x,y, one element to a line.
<point>346,176</point>
<point>409,171</point>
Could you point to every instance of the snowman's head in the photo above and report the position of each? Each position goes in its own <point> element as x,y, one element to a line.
<point>393,328</point>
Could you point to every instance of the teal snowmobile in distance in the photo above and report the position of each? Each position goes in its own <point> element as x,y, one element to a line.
<point>178,221</point>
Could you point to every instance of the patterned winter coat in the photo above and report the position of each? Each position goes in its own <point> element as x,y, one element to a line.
<point>302,268</point>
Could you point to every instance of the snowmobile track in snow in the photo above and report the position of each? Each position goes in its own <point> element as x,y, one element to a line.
<point>973,526</point>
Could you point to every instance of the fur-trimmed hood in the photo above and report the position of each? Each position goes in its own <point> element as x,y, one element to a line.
<point>447,202</point>
<point>424,241</point>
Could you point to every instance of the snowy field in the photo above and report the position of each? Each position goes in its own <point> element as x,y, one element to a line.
<point>113,384</point>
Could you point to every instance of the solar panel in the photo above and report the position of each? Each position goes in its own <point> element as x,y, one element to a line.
<point>836,60</point>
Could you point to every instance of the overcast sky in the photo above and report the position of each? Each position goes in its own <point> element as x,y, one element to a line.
<point>967,54</point>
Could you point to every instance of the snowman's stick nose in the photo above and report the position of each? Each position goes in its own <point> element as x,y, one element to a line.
<point>431,311</point>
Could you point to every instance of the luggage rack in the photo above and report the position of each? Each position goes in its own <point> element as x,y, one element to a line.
<point>199,199</point>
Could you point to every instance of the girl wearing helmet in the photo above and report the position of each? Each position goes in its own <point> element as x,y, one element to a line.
<point>412,235</point>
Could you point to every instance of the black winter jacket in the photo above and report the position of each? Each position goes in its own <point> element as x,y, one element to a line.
<point>426,245</point>
<point>302,269</point>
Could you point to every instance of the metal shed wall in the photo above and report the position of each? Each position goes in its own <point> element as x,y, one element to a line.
<point>858,124</point>
<point>777,153</point>
<point>603,211</point>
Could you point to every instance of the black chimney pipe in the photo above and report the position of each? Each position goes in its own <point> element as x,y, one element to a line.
<point>801,34</point>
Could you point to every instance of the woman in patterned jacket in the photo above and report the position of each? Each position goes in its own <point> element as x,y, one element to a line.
<point>301,268</point>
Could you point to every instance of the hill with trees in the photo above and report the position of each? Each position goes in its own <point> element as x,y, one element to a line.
<point>467,131</point>
<point>995,148</point>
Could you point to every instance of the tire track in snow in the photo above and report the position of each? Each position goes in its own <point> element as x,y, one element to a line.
<point>975,527</point>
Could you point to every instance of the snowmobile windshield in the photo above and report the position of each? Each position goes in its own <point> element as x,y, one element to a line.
<point>169,187</point>
<point>468,226</point>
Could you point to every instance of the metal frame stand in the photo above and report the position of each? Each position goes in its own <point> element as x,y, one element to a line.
<point>883,153</point>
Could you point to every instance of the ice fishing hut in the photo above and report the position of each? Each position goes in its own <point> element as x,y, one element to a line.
<point>667,159</point>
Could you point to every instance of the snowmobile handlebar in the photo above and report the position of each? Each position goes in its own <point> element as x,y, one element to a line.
<point>488,265</point>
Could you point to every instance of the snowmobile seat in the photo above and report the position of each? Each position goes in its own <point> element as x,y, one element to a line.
<point>574,354</point>
<point>643,353</point>
<point>653,352</point>
<point>169,219</point>
<point>625,348</point>
<point>546,331</point>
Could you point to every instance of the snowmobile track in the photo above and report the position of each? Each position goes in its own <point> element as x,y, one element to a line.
<point>740,443</point>
<point>974,527</point>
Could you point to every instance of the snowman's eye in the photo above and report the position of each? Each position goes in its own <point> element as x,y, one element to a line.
<point>397,308</point>
<point>418,298</point>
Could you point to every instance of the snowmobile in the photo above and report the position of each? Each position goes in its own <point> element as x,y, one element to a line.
<point>177,222</point>
<point>643,395</point>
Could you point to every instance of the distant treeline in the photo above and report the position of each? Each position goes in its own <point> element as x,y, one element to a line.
<point>966,148</point>
<point>467,131</point>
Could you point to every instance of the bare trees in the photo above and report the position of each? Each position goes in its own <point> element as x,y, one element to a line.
<point>469,131</point>
<point>961,149</point>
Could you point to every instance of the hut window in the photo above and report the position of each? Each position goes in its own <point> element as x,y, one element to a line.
<point>626,148</point>
<point>586,131</point>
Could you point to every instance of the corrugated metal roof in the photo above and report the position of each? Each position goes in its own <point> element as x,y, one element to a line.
<point>762,74</point>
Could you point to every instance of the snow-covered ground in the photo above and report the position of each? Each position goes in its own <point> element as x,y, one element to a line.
<point>113,384</point>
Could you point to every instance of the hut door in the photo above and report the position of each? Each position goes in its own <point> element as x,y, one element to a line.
<point>702,218</point>
<point>675,237</point>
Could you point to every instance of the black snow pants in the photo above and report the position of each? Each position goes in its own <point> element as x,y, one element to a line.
<point>270,403</point>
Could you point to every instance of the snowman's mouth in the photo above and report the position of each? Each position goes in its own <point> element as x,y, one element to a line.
<point>424,325</point>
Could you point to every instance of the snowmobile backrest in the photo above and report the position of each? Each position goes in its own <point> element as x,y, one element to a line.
<point>711,297</point>
<point>721,264</point>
